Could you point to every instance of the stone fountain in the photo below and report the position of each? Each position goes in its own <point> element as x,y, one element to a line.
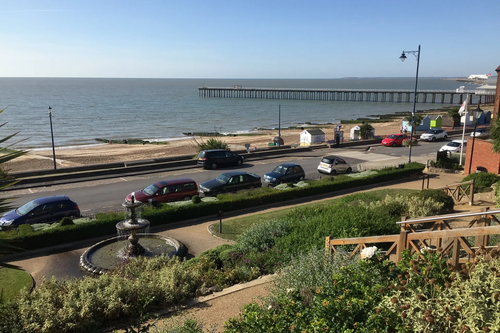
<point>133,240</point>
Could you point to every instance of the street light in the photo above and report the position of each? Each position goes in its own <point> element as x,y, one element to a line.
<point>52,136</point>
<point>476,113</point>
<point>403,58</point>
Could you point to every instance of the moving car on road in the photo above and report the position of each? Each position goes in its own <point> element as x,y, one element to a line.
<point>434,134</point>
<point>41,210</point>
<point>166,191</point>
<point>212,159</point>
<point>230,182</point>
<point>453,146</point>
<point>394,140</point>
<point>284,173</point>
<point>332,165</point>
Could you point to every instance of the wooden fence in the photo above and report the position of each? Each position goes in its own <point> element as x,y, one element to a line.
<point>459,191</point>
<point>458,244</point>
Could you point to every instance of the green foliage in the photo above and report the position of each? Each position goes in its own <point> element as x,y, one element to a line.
<point>447,163</point>
<point>430,297</point>
<point>65,221</point>
<point>438,196</point>
<point>365,131</point>
<point>453,114</point>
<point>346,305</point>
<point>495,135</point>
<point>25,230</point>
<point>483,180</point>
<point>189,325</point>
<point>262,236</point>
<point>196,199</point>
<point>406,143</point>
<point>213,143</point>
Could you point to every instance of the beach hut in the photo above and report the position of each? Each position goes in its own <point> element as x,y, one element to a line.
<point>446,121</point>
<point>406,126</point>
<point>485,118</point>
<point>355,134</point>
<point>436,121</point>
<point>310,136</point>
<point>425,125</point>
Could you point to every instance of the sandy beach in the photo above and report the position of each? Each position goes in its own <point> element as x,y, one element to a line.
<point>109,153</point>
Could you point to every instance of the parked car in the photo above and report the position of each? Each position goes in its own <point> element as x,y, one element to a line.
<point>434,134</point>
<point>41,210</point>
<point>332,165</point>
<point>284,173</point>
<point>212,159</point>
<point>166,191</point>
<point>230,182</point>
<point>453,146</point>
<point>480,132</point>
<point>394,140</point>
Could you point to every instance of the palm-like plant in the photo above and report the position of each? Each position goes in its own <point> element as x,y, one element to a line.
<point>365,131</point>
<point>7,154</point>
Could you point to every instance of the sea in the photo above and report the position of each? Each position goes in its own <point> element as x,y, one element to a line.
<point>83,109</point>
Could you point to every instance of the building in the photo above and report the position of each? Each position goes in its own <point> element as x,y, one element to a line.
<point>311,136</point>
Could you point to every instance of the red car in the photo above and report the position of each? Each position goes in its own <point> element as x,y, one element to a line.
<point>394,140</point>
<point>166,191</point>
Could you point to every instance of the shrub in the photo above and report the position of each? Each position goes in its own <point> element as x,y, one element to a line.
<point>65,221</point>
<point>439,196</point>
<point>196,199</point>
<point>483,180</point>
<point>406,143</point>
<point>411,206</point>
<point>25,230</point>
<point>213,143</point>
<point>262,236</point>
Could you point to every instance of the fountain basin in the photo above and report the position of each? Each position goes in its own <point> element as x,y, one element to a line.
<point>111,253</point>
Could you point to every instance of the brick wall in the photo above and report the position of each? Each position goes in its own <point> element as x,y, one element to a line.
<point>496,108</point>
<point>483,156</point>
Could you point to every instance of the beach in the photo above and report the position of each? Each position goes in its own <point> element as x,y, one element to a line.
<point>110,153</point>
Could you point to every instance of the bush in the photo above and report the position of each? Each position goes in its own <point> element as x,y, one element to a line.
<point>65,221</point>
<point>196,199</point>
<point>25,230</point>
<point>483,180</point>
<point>213,144</point>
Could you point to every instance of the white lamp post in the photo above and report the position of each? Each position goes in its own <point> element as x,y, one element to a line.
<point>52,136</point>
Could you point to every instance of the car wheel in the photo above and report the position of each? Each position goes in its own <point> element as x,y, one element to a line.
<point>349,170</point>
<point>239,163</point>
<point>394,144</point>
<point>213,166</point>
<point>333,173</point>
<point>186,198</point>
<point>301,178</point>
<point>445,137</point>
<point>251,187</point>
<point>433,139</point>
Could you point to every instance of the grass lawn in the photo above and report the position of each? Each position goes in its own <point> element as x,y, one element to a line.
<point>12,281</point>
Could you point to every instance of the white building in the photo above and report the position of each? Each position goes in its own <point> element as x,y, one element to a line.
<point>478,77</point>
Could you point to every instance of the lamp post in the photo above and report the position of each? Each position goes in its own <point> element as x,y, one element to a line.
<point>476,114</point>
<point>52,136</point>
<point>279,125</point>
<point>403,58</point>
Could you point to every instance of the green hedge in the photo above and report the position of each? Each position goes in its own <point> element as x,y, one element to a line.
<point>104,224</point>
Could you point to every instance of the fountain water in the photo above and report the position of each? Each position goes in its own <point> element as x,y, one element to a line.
<point>108,254</point>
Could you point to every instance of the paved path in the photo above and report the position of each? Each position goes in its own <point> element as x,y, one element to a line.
<point>217,308</point>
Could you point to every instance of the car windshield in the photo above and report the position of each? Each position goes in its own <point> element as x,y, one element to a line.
<point>454,144</point>
<point>151,189</point>
<point>430,132</point>
<point>223,178</point>
<point>27,207</point>
<point>280,169</point>
<point>392,136</point>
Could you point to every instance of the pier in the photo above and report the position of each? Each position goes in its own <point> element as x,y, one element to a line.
<point>352,95</point>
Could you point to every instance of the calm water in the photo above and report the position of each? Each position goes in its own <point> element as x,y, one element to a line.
<point>85,109</point>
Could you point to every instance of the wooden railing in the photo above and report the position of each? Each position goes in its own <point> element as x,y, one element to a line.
<point>459,191</point>
<point>455,244</point>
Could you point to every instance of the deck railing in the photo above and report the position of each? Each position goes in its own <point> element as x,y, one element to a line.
<point>459,244</point>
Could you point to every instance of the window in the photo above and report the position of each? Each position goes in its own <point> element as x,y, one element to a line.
<point>188,186</point>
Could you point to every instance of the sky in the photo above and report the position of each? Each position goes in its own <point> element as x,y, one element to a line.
<point>289,39</point>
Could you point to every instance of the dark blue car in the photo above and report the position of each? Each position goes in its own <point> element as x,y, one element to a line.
<point>41,210</point>
<point>285,173</point>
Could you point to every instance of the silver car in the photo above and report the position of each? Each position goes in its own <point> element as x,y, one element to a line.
<point>332,165</point>
<point>434,134</point>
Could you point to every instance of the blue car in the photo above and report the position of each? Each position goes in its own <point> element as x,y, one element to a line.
<point>41,210</point>
<point>285,173</point>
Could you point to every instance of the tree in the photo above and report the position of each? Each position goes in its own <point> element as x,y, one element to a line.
<point>453,114</point>
<point>7,154</point>
<point>495,135</point>
<point>365,131</point>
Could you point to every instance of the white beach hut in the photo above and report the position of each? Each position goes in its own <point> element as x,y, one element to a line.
<point>310,136</point>
<point>355,134</point>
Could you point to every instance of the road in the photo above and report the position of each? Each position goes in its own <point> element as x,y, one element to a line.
<point>107,195</point>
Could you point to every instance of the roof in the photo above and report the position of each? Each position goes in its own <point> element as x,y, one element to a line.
<point>287,165</point>
<point>44,200</point>
<point>434,116</point>
<point>175,181</point>
<point>314,131</point>
<point>235,173</point>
